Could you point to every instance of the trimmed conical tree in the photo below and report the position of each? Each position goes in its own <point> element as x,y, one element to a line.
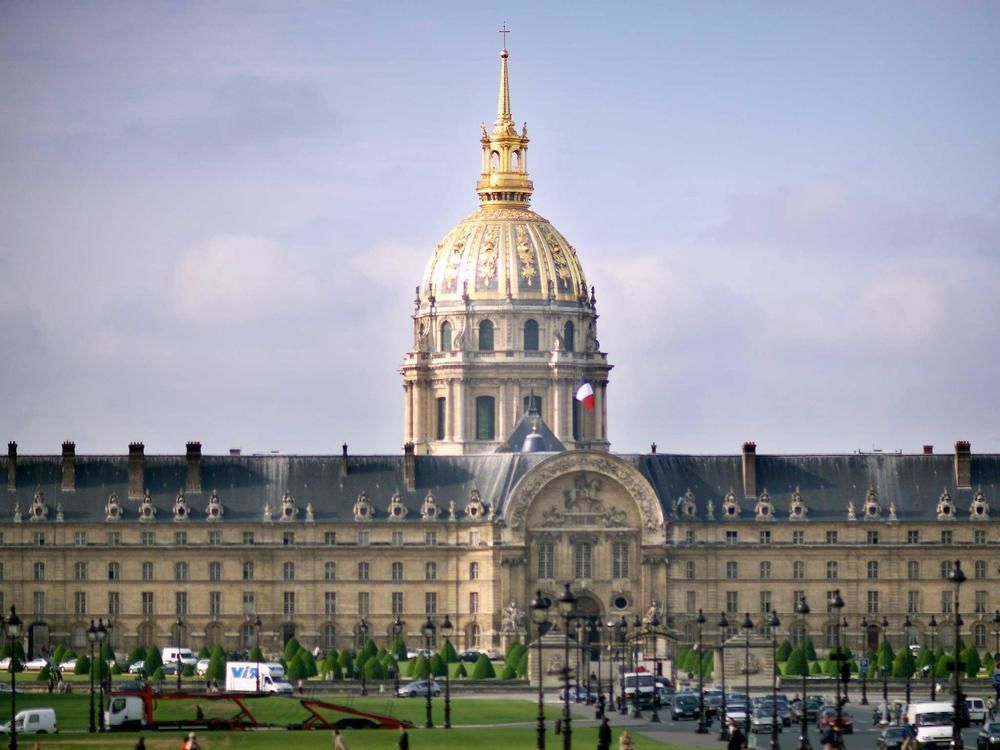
<point>483,669</point>
<point>374,670</point>
<point>904,664</point>
<point>460,671</point>
<point>971,662</point>
<point>810,649</point>
<point>292,647</point>
<point>399,648</point>
<point>784,651</point>
<point>420,668</point>
<point>797,664</point>
<point>448,652</point>
<point>296,667</point>
<point>438,666</point>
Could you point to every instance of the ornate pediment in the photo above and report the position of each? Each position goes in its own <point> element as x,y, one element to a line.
<point>980,509</point>
<point>730,507</point>
<point>945,506</point>
<point>39,511</point>
<point>430,509</point>
<point>764,510</point>
<point>397,509</point>
<point>872,506</point>
<point>363,510</point>
<point>214,509</point>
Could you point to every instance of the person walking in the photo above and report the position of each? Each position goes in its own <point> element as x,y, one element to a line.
<point>140,744</point>
<point>736,739</point>
<point>625,741</point>
<point>403,743</point>
<point>339,743</point>
<point>604,735</point>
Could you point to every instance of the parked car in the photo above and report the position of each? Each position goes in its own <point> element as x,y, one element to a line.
<point>891,738</point>
<point>762,720</point>
<point>685,706</point>
<point>5,663</point>
<point>469,656</point>
<point>828,717</point>
<point>737,711</point>
<point>586,696</point>
<point>36,665</point>
<point>68,666</point>
<point>666,694</point>
<point>169,668</point>
<point>33,721</point>
<point>811,706</point>
<point>419,689</point>
<point>989,736</point>
<point>137,667</point>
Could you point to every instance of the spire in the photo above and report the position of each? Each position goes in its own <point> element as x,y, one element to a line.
<point>503,100</point>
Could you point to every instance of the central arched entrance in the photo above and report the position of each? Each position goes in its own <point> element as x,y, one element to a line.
<point>591,614</point>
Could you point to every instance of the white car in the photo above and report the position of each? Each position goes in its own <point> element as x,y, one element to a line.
<point>36,665</point>
<point>136,667</point>
<point>201,668</point>
<point>68,666</point>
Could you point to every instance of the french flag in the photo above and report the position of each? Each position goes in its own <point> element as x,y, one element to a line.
<point>585,395</point>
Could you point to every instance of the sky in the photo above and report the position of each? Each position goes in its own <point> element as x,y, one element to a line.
<point>213,215</point>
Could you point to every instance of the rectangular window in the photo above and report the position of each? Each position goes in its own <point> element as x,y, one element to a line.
<point>979,536</point>
<point>80,602</point>
<point>249,603</point>
<point>329,538</point>
<point>732,537</point>
<point>873,602</point>
<point>397,571</point>
<point>215,603</point>
<point>912,602</point>
<point>689,570</point>
<point>980,602</point>
<point>872,537</point>
<point>732,602</point>
<point>946,602</point>
<point>397,539</point>
<point>441,415</point>
<point>690,601</point>
<point>114,571</point>
<point>765,569</point>
<point>288,538</point>
<point>329,603</point>
<point>364,539</point>
<point>473,571</point>
<point>181,538</point>
<point>288,603</point>
<point>147,571</point>
<point>430,603</point>
<point>732,569</point>
<point>147,603</point>
<point>114,604</point>
<point>40,538</point>
<point>620,560</point>
<point>180,571</point>
<point>38,600</point>
<point>797,596</point>
<point>330,571</point>
<point>430,571</point>
<point>689,536</point>
<point>431,538</point>
<point>80,538</point>
<point>397,603</point>
<point>38,571</point>
<point>798,569</point>
<point>248,570</point>
<point>765,537</point>
<point>913,536</point>
<point>288,571</point>
<point>248,537</point>
<point>546,560</point>
<point>583,560</point>
<point>215,571</point>
<point>947,537</point>
<point>114,538</point>
<point>215,538</point>
<point>180,603</point>
<point>798,537</point>
<point>872,570</point>
<point>831,537</point>
<point>485,411</point>
<point>946,568</point>
<point>830,596</point>
<point>832,570</point>
<point>765,601</point>
<point>473,602</point>
<point>147,539</point>
<point>474,538</point>
<point>80,571</point>
<point>980,569</point>
<point>363,571</point>
<point>913,569</point>
<point>364,604</point>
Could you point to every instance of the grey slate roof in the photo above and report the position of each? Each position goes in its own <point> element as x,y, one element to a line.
<point>246,483</point>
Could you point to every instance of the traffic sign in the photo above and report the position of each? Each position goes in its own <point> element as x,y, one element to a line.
<point>864,665</point>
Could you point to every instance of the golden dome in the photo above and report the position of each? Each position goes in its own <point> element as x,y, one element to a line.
<point>504,250</point>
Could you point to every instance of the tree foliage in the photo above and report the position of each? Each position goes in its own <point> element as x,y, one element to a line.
<point>483,669</point>
<point>971,661</point>
<point>152,660</point>
<point>797,663</point>
<point>810,649</point>
<point>904,664</point>
<point>448,652</point>
<point>420,668</point>
<point>438,665</point>
<point>292,647</point>
<point>784,650</point>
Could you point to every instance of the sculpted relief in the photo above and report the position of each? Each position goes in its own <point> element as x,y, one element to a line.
<point>583,499</point>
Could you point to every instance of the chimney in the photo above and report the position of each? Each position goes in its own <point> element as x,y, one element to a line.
<point>409,467</point>
<point>928,450</point>
<point>652,448</point>
<point>343,461</point>
<point>235,451</point>
<point>69,466</point>
<point>749,469</point>
<point>136,470</point>
<point>963,465</point>
<point>193,482</point>
<point>11,466</point>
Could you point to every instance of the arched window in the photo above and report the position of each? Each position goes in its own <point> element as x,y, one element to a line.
<point>569,336</point>
<point>485,424</point>
<point>495,161</point>
<point>445,337</point>
<point>513,160</point>
<point>531,336</point>
<point>486,336</point>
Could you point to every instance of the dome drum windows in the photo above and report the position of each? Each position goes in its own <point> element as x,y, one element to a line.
<point>486,336</point>
<point>531,336</point>
<point>444,342</point>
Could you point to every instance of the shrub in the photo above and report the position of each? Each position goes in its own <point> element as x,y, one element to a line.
<point>59,654</point>
<point>136,654</point>
<point>334,670</point>
<point>157,675</point>
<point>483,669</point>
<point>115,669</point>
<point>943,666</point>
<point>406,668</point>
<point>460,671</point>
<point>152,660</point>
<point>515,653</point>
<point>904,664</point>
<point>784,651</point>
<point>292,647</point>
<point>448,652</point>
<point>815,668</point>
<point>188,670</point>
<point>810,649</point>
<point>971,662</point>
<point>514,645</point>
<point>310,663</point>
<point>216,665</point>
<point>296,668</point>
<point>368,650</point>
<point>508,673</point>
<point>82,665</point>
<point>437,665</point>
<point>419,668</point>
<point>204,653</point>
<point>254,654</point>
<point>797,663</point>
<point>44,674</point>
<point>399,648</point>
<point>347,662</point>
<point>374,670</point>
<point>522,665</point>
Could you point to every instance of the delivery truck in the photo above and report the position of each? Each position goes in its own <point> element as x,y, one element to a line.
<point>242,677</point>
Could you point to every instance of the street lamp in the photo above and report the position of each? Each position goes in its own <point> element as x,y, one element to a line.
<point>723,624</point>
<point>578,627</point>
<point>909,672</point>
<point>802,609</point>
<point>102,633</point>
<point>702,729</point>
<point>256,629</point>
<point>932,625</point>
<point>654,628</point>
<point>864,657</point>
<point>845,665</point>
<point>885,667</point>
<point>620,630</point>
<point>957,578</point>
<point>540,616</point>
<point>177,653</point>
<point>428,630</point>
<point>747,626</point>
<point>363,638</point>
<point>92,639</point>
<point>996,650</point>
<point>636,634</point>
<point>397,630</point>
<point>14,635</point>
<point>773,622</point>
<point>599,703</point>
<point>567,609</point>
<point>838,604</point>
<point>446,630</point>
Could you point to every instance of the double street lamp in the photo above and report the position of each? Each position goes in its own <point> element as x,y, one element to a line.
<point>957,578</point>
<point>773,622</point>
<point>802,609</point>
<point>932,625</point>
<point>446,630</point>
<point>397,631</point>
<point>621,628</point>
<point>428,629</point>
<point>540,616</point>
<point>102,633</point>
<point>996,650</point>
<point>363,639</point>
<point>567,609</point>
<point>723,626</point>
<point>747,626</point>
<point>702,729</point>
<point>13,625</point>
<point>92,639</point>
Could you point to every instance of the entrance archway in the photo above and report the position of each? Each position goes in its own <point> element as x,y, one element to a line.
<point>589,610</point>
<point>38,639</point>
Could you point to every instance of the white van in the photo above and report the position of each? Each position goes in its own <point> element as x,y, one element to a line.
<point>173,654</point>
<point>931,722</point>
<point>33,721</point>
<point>976,708</point>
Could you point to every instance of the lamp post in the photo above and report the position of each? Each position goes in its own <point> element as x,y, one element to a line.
<point>933,628</point>
<point>702,729</point>
<point>599,703</point>
<point>363,638</point>
<point>773,622</point>
<point>864,655</point>
<point>802,609</point>
<point>996,649</point>
<point>578,628</point>
<point>909,672</point>
<point>723,624</point>
<point>102,633</point>
<point>540,616</point>
<point>397,631</point>
<point>885,667</point>
<point>636,634</point>
<point>14,635</point>
<point>92,639</point>
<point>845,665</point>
<point>256,628</point>
<point>446,630</point>
<point>567,609</point>
<point>957,578</point>
<point>654,628</point>
<point>428,630</point>
<point>180,640</point>
<point>620,629</point>
<point>838,604</point>
<point>747,626</point>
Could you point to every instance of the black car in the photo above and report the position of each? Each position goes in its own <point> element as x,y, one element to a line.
<point>989,736</point>
<point>685,707</point>
<point>469,656</point>
<point>891,738</point>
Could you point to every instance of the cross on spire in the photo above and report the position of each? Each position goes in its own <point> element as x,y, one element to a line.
<point>505,31</point>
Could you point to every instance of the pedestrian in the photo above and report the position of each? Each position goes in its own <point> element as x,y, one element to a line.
<point>625,741</point>
<point>827,740</point>
<point>909,737</point>
<point>403,743</point>
<point>140,744</point>
<point>191,743</point>
<point>604,735</point>
<point>339,743</point>
<point>736,739</point>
